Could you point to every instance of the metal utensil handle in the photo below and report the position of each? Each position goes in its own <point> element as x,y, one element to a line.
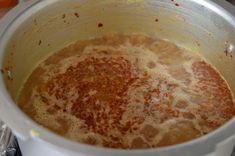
<point>8,143</point>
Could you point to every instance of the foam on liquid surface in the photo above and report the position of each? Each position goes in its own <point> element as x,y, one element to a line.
<point>127,92</point>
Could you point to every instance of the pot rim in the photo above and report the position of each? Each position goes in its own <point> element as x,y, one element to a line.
<point>26,128</point>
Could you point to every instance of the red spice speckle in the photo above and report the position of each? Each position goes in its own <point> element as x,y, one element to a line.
<point>177,4</point>
<point>2,71</point>
<point>39,42</point>
<point>35,21</point>
<point>100,25</point>
<point>226,51</point>
<point>119,68</point>
<point>76,14</point>
<point>211,82</point>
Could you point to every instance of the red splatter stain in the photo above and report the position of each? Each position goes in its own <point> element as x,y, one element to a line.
<point>100,25</point>
<point>177,4</point>
<point>76,14</point>
<point>2,71</point>
<point>39,42</point>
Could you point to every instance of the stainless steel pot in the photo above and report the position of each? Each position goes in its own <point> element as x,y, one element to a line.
<point>36,29</point>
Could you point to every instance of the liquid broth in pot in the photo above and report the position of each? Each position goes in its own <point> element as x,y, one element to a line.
<point>127,92</point>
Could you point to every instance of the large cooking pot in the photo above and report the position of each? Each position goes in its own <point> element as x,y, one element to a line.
<point>34,30</point>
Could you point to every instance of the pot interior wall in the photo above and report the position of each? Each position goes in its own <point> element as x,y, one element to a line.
<point>51,25</point>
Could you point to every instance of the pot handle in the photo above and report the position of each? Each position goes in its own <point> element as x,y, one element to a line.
<point>224,148</point>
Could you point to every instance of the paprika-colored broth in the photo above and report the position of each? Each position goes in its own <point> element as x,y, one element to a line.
<point>127,92</point>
